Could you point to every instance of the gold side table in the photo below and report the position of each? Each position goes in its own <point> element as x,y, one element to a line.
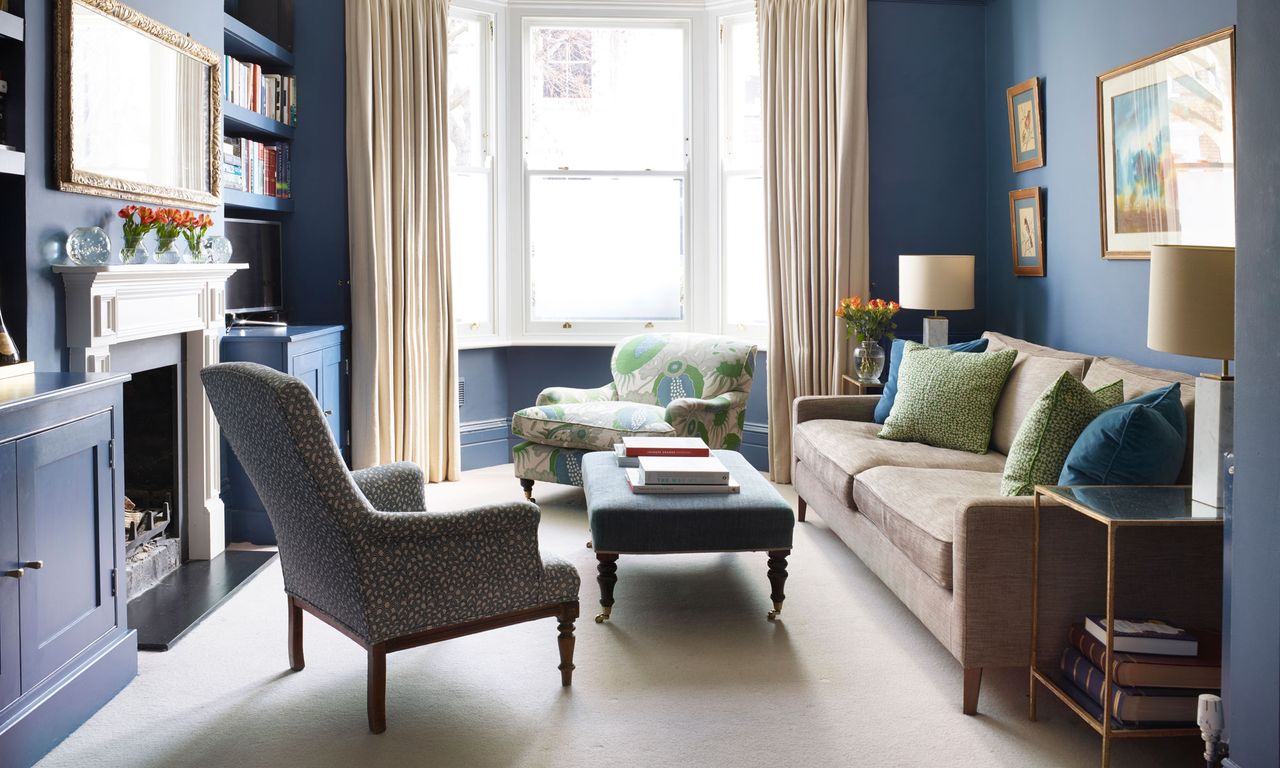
<point>1175,567</point>
<point>860,388</point>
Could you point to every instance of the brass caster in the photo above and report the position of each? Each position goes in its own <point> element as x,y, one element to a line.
<point>588,544</point>
<point>776,612</point>
<point>603,616</point>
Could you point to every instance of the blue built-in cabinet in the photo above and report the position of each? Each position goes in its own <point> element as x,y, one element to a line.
<point>65,644</point>
<point>312,353</point>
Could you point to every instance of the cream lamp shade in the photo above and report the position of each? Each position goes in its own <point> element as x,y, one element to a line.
<point>1192,309</point>
<point>935,282</point>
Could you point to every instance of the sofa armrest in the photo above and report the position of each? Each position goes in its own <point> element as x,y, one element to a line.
<point>717,420</point>
<point>842,407</point>
<point>394,487</point>
<point>558,395</point>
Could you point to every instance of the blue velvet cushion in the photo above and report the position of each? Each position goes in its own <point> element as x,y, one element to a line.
<point>895,362</point>
<point>1140,442</point>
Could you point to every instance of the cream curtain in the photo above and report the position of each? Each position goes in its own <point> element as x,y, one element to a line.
<point>403,348</point>
<point>813,57</point>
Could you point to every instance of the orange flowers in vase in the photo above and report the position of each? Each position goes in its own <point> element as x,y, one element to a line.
<point>194,228</point>
<point>869,323</point>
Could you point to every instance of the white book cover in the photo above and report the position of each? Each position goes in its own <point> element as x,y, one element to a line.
<point>633,480</point>
<point>677,470</point>
<point>638,445</point>
<point>620,453</point>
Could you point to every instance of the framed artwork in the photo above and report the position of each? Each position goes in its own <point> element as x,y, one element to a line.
<point>1026,228</point>
<point>1026,130</point>
<point>1166,149</point>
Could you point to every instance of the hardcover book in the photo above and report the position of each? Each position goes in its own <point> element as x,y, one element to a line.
<point>620,453</point>
<point>1144,636</point>
<point>633,480</point>
<point>1149,670</point>
<point>1130,706</point>
<point>665,446</point>
<point>682,470</point>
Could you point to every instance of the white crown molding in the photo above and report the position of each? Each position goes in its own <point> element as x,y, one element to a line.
<point>629,5</point>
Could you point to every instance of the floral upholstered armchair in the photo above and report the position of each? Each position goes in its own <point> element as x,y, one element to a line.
<point>672,384</point>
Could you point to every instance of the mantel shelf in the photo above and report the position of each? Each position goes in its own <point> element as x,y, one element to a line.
<point>149,269</point>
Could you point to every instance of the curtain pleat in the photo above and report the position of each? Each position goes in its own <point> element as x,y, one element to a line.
<point>403,348</point>
<point>813,58</point>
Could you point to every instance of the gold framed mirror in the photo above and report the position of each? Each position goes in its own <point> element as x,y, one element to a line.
<point>139,108</point>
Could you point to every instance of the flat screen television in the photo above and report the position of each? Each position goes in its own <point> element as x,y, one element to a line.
<point>258,288</point>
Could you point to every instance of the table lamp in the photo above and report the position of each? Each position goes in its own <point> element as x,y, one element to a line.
<point>1192,312</point>
<point>934,283</point>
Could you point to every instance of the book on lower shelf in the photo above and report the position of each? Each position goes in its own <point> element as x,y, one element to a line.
<point>257,168</point>
<point>665,446</point>
<point>633,482</point>
<point>1144,636</point>
<point>682,470</point>
<point>1150,670</point>
<point>1131,706</point>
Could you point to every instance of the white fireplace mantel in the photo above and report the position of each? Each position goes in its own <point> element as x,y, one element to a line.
<point>115,303</point>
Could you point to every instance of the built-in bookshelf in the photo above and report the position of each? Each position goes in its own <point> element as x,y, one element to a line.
<point>12,60</point>
<point>244,45</point>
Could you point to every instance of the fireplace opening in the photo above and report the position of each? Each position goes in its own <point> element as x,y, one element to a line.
<point>152,477</point>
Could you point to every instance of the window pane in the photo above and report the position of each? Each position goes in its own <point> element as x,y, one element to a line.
<point>606,248</point>
<point>469,234</point>
<point>744,147</point>
<point>466,93</point>
<point>746,278</point>
<point>606,98</point>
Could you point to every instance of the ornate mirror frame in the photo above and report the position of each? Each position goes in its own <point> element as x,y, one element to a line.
<point>71,179</point>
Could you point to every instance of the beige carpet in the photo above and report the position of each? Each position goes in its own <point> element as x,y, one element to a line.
<point>689,672</point>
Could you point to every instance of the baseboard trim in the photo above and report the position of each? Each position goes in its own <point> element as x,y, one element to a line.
<point>483,425</point>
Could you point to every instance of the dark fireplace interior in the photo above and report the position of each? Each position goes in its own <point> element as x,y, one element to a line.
<point>152,477</point>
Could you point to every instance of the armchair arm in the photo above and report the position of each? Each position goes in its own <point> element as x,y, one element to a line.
<point>717,420</point>
<point>557,395</point>
<point>842,407</point>
<point>392,487</point>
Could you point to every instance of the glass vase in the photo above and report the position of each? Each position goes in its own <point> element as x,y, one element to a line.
<point>868,362</point>
<point>216,249</point>
<point>194,254</point>
<point>88,245</point>
<point>167,251</point>
<point>135,252</point>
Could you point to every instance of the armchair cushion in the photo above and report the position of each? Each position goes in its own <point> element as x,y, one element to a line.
<point>392,487</point>
<point>657,368</point>
<point>558,395</point>
<point>591,426</point>
<point>719,421</point>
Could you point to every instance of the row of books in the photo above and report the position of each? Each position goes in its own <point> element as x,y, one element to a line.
<point>1158,671</point>
<point>251,166</point>
<point>246,85</point>
<point>672,465</point>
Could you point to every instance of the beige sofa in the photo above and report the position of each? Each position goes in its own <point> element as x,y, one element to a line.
<point>931,522</point>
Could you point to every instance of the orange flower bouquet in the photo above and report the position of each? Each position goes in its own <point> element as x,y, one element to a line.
<point>868,323</point>
<point>137,223</point>
<point>194,228</point>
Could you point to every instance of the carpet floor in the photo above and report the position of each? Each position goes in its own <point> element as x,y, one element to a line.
<point>688,672</point>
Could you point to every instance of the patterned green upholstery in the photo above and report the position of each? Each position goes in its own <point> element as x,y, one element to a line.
<point>677,384</point>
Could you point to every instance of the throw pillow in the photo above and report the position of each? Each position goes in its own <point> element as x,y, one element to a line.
<point>1050,429</point>
<point>895,362</point>
<point>947,398</point>
<point>1140,442</point>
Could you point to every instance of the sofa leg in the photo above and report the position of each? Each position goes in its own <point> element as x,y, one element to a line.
<point>568,613</point>
<point>972,685</point>
<point>377,688</point>
<point>527,485</point>
<point>296,660</point>
<point>801,509</point>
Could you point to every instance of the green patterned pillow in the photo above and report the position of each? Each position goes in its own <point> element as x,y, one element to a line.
<point>946,398</point>
<point>1050,429</point>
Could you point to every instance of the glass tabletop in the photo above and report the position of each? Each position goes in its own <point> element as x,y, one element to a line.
<point>1134,503</point>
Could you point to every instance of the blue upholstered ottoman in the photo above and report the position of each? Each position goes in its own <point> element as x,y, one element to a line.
<point>756,519</point>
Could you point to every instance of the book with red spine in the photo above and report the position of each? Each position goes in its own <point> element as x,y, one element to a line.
<point>639,445</point>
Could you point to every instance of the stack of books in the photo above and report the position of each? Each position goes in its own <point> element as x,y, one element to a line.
<point>274,96</point>
<point>1158,671</point>
<point>251,166</point>
<point>672,465</point>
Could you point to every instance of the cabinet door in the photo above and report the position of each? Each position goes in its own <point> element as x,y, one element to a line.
<point>320,370</point>
<point>10,675</point>
<point>65,520</point>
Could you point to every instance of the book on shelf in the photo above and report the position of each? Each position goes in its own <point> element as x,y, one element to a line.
<point>665,446</point>
<point>273,96</point>
<point>633,481</point>
<point>251,166</point>
<point>1149,670</point>
<point>625,461</point>
<point>682,470</point>
<point>1130,706</point>
<point>1144,636</point>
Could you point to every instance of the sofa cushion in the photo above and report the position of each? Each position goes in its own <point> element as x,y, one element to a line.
<point>916,509</point>
<point>1030,378</point>
<point>999,341</point>
<point>1050,430</point>
<point>592,426</point>
<point>1138,443</point>
<point>837,451</point>
<point>948,398</point>
<point>1139,380</point>
<point>896,351</point>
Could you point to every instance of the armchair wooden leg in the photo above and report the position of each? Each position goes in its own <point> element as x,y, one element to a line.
<point>527,485</point>
<point>377,690</point>
<point>972,685</point>
<point>568,612</point>
<point>296,660</point>
<point>801,509</point>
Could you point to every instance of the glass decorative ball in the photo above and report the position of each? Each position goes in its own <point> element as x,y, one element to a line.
<point>216,249</point>
<point>88,246</point>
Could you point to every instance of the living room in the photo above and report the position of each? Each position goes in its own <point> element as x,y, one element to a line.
<point>353,351</point>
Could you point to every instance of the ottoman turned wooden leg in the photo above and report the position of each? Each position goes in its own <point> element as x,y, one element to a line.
<point>777,579</point>
<point>606,577</point>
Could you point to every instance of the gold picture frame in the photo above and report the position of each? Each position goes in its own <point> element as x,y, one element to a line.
<point>1026,232</point>
<point>1166,148</point>
<point>1026,125</point>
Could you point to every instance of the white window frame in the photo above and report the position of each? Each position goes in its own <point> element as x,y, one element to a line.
<point>467,331</point>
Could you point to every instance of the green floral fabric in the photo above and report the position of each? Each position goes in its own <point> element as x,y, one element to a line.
<point>594,426</point>
<point>1050,429</point>
<point>658,368</point>
<point>948,399</point>
<point>718,421</point>
<point>548,463</point>
<point>556,395</point>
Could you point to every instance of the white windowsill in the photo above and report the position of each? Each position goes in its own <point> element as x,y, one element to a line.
<point>494,342</point>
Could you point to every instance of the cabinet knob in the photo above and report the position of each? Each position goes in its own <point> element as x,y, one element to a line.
<point>34,565</point>
<point>16,573</point>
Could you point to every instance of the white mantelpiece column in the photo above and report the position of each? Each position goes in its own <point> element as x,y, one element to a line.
<point>115,303</point>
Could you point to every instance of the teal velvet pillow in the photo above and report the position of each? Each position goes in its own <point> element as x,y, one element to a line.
<point>1140,442</point>
<point>895,362</point>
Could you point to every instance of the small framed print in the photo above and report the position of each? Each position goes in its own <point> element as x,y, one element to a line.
<point>1026,225</point>
<point>1026,130</point>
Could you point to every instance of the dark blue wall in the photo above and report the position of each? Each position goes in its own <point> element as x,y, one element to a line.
<point>1083,303</point>
<point>1253,529</point>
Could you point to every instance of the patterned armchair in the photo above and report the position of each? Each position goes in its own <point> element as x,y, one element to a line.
<point>675,384</point>
<point>359,552</point>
